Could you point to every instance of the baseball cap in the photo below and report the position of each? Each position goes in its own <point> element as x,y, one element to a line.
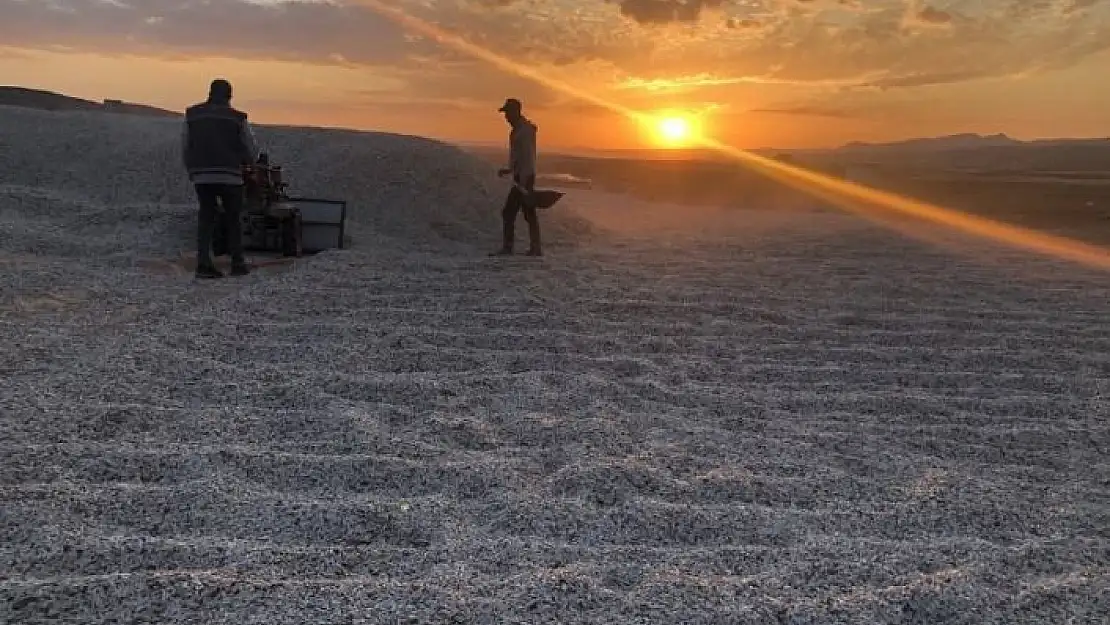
<point>511,103</point>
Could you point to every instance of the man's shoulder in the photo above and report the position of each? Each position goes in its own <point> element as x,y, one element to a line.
<point>202,108</point>
<point>524,128</point>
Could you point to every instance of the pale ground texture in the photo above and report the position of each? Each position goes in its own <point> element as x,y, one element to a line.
<point>728,418</point>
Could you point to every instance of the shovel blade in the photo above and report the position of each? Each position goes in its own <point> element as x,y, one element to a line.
<point>546,198</point>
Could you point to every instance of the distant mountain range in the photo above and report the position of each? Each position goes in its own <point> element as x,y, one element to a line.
<point>977,153</point>
<point>50,101</point>
<point>967,141</point>
<point>950,142</point>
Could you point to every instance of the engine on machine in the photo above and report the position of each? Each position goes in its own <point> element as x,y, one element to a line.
<point>273,221</point>
<point>270,221</point>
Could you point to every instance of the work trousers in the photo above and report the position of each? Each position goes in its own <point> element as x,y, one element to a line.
<point>220,207</point>
<point>516,203</point>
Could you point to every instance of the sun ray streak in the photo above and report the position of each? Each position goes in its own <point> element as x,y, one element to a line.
<point>846,194</point>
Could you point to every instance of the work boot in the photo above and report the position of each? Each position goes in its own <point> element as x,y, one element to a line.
<point>240,269</point>
<point>208,272</point>
<point>534,246</point>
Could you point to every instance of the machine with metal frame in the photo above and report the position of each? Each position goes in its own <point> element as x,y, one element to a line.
<point>273,221</point>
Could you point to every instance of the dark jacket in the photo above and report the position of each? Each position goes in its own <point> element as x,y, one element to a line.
<point>522,149</point>
<point>216,143</point>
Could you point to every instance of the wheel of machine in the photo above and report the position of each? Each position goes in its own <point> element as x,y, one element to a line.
<point>291,235</point>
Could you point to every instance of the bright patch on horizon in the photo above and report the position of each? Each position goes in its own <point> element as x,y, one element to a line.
<point>674,131</point>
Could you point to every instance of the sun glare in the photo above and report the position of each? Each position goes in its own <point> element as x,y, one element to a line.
<point>673,131</point>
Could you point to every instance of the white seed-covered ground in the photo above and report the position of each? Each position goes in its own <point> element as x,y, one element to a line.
<point>728,418</point>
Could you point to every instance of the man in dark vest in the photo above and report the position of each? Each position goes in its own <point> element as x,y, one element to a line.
<point>216,143</point>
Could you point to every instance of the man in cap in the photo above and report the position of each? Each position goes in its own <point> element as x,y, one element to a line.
<point>216,143</point>
<point>522,167</point>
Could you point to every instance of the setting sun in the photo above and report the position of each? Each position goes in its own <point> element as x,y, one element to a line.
<point>674,131</point>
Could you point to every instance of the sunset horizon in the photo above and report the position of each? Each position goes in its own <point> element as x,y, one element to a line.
<point>787,74</point>
<point>497,139</point>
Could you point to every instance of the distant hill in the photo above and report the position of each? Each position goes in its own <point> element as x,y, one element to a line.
<point>963,142</point>
<point>50,101</point>
<point>950,142</point>
<point>983,153</point>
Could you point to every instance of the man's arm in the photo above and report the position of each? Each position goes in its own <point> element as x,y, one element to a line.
<point>185,144</point>
<point>249,145</point>
<point>508,168</point>
<point>525,165</point>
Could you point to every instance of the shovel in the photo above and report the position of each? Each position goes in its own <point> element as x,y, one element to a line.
<point>540,198</point>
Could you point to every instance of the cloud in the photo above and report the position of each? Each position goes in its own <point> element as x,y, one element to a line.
<point>931,15</point>
<point>745,22</point>
<point>807,111</point>
<point>1069,7</point>
<point>666,11</point>
<point>12,54</point>
<point>317,32</point>
<point>921,79</point>
<point>675,46</point>
<point>921,15</point>
<point>682,83</point>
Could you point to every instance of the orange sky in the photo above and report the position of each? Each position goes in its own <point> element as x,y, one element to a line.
<point>753,73</point>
